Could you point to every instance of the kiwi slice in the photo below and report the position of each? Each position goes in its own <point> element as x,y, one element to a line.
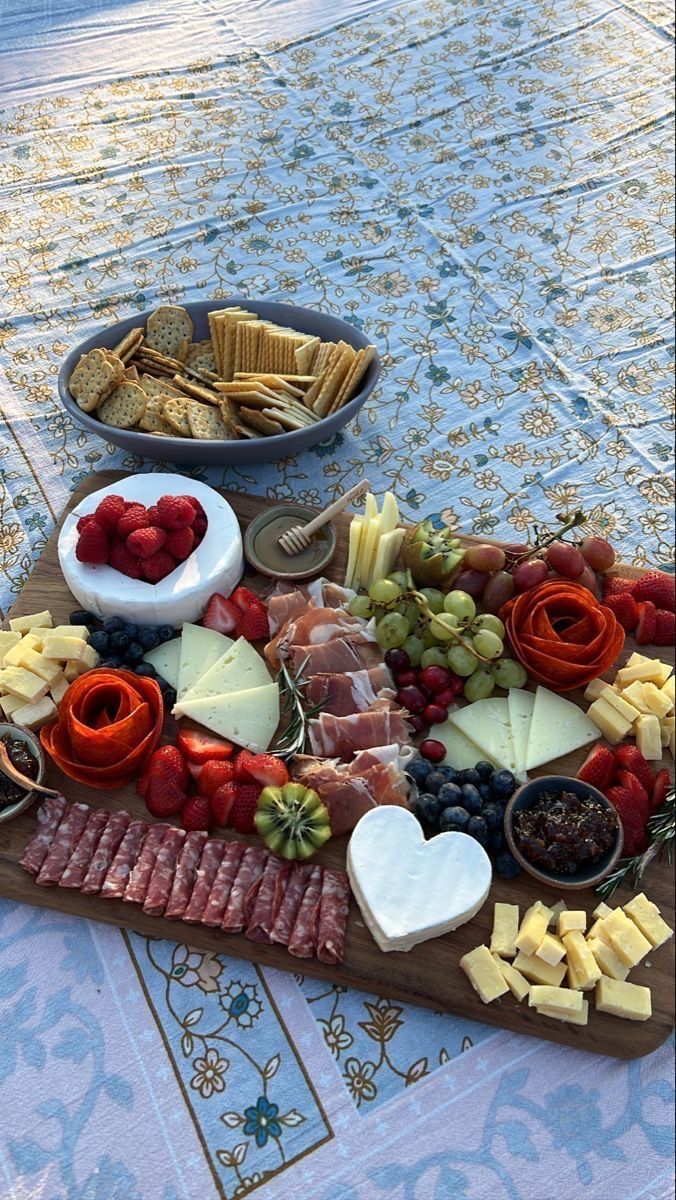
<point>292,821</point>
<point>432,554</point>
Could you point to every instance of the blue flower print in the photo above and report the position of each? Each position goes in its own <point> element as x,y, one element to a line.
<point>262,1122</point>
<point>574,1118</point>
<point>329,447</point>
<point>437,374</point>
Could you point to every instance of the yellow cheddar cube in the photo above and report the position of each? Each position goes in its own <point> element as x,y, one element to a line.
<point>551,949</point>
<point>612,724</point>
<point>626,938</point>
<point>667,726</point>
<point>555,910</point>
<point>607,959</point>
<point>64,648</point>
<point>649,671</point>
<point>602,910</point>
<point>578,1018</point>
<point>34,716</point>
<point>597,931</point>
<point>538,971</point>
<point>656,700</point>
<point>649,737</point>
<point>505,929</point>
<point>635,694</point>
<point>8,639</point>
<point>14,657</point>
<point>618,702</point>
<point>581,961</point>
<point>46,668</point>
<point>23,683</point>
<point>628,1000</point>
<point>595,687</point>
<point>573,919</point>
<point>533,928</point>
<point>75,631</point>
<point>10,703</point>
<point>516,982</point>
<point>59,688</point>
<point>484,974</point>
<point>42,620</point>
<point>562,999</point>
<point>647,916</point>
<point>669,690</point>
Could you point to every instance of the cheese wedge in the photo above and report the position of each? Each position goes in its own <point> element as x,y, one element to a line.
<point>487,723</point>
<point>200,649</point>
<point>520,705</point>
<point>239,669</point>
<point>557,727</point>
<point>461,752</point>
<point>166,659</point>
<point>352,578</point>
<point>248,718</point>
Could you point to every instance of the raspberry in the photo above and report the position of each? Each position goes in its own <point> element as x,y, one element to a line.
<point>197,813</point>
<point>153,514</point>
<point>665,628</point>
<point>125,562</point>
<point>657,587</point>
<point>199,528</point>
<point>199,510</point>
<point>180,543</point>
<point>625,609</point>
<point>135,517</point>
<point>175,512</point>
<point>647,623</point>
<point>244,807</point>
<point>92,545</point>
<point>158,566</point>
<point>84,521</point>
<point>109,512</point>
<point>144,542</point>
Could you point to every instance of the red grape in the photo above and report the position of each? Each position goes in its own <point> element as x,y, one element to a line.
<point>435,678</point>
<point>412,698</point>
<point>472,582</point>
<point>456,684</point>
<point>406,678</point>
<point>565,559</point>
<point>598,553</point>
<point>514,551</point>
<point>433,750</point>
<point>445,698</point>
<point>485,558</point>
<point>529,574</point>
<point>397,660</point>
<point>498,590</point>
<point>588,579</point>
<point>435,714</point>
<point>417,723</point>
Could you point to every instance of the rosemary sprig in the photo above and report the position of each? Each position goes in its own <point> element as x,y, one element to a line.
<point>662,834</point>
<point>294,713</point>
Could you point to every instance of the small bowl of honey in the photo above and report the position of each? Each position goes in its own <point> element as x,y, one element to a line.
<point>264,553</point>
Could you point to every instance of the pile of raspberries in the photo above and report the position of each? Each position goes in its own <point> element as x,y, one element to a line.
<point>644,606</point>
<point>141,543</point>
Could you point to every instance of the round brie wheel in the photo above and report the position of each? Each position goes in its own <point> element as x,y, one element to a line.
<point>215,566</point>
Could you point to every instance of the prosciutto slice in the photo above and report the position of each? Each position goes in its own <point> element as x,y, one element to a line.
<point>185,875</point>
<point>219,895</point>
<point>374,776</point>
<point>350,692</point>
<point>244,889</point>
<point>105,852</point>
<point>334,906</point>
<point>291,901</point>
<point>303,938</point>
<point>162,878</point>
<point>140,877</point>
<point>268,900</point>
<point>70,827</point>
<point>350,653</point>
<point>288,602</point>
<point>117,876</point>
<point>212,856</point>
<point>314,627</point>
<point>341,737</point>
<point>49,817</point>
<point>83,852</point>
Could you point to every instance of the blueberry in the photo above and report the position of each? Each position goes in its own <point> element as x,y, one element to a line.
<point>100,642</point>
<point>131,630</point>
<point>169,696</point>
<point>484,770</point>
<point>471,799</point>
<point>506,865</point>
<point>470,776</point>
<point>503,783</point>
<point>496,842</point>
<point>112,624</point>
<point>133,654</point>
<point>477,828</point>
<point>492,815</point>
<point>149,637</point>
<point>450,793</point>
<point>419,769</point>
<point>166,632</point>
<point>119,641</point>
<point>427,808</point>
<point>485,792</point>
<point>454,819</point>
<point>82,616</point>
<point>146,669</point>
<point>434,781</point>
<point>113,662</point>
<point>450,774</point>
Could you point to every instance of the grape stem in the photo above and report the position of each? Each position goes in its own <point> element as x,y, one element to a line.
<point>570,521</point>
<point>455,636</point>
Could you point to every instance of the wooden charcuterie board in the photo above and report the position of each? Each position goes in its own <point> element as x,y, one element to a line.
<point>429,974</point>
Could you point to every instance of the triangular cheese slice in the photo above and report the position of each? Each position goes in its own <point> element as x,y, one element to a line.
<point>200,649</point>
<point>166,660</point>
<point>461,753</point>
<point>248,718</point>
<point>240,668</point>
<point>520,704</point>
<point>557,727</point>
<point>486,722</point>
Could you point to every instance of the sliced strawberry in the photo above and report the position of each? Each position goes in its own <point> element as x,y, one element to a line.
<point>221,614</point>
<point>253,624</point>
<point>615,585</point>
<point>637,791</point>
<point>268,770</point>
<point>196,769</point>
<point>658,587</point>
<point>634,830</point>
<point>625,609</point>
<point>660,789</point>
<point>665,628</point>
<point>241,763</point>
<point>244,807</point>
<point>629,758</point>
<point>196,814</point>
<point>598,768</point>
<point>199,747</point>
<point>222,801</point>
<point>213,774</point>
<point>242,597</point>
<point>647,623</point>
<point>164,798</point>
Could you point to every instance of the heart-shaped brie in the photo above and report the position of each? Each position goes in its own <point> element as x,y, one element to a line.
<point>409,889</point>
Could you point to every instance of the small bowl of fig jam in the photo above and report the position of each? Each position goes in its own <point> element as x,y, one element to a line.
<point>25,752</point>
<point>563,832</point>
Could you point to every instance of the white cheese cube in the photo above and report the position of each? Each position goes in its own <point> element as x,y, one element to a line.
<point>46,668</point>
<point>649,737</point>
<point>34,716</point>
<point>64,648</point>
<point>10,703</point>
<point>669,689</point>
<point>22,624</point>
<point>22,683</point>
<point>8,639</point>
<point>14,656</point>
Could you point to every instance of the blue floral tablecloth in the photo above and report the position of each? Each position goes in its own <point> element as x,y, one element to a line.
<point>485,189</point>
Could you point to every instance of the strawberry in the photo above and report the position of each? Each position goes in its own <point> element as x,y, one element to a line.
<point>109,511</point>
<point>647,623</point>
<point>632,784</point>
<point>195,769</point>
<point>124,561</point>
<point>199,747</point>
<point>180,543</point>
<point>197,813</point>
<point>175,512</point>
<point>170,758</point>
<point>598,768</point>
<point>144,542</point>
<point>268,770</point>
<point>253,624</point>
<point>242,597</point>
<point>665,628</point>
<point>213,774</point>
<point>134,517</point>
<point>625,609</point>
<point>222,802</point>
<point>220,614</point>
<point>634,831</point>
<point>629,758</point>
<point>660,789</point>
<point>241,764</point>
<point>164,798</point>
<point>157,566</point>
<point>616,585</point>
<point>92,544</point>
<point>244,807</point>
<point>657,587</point>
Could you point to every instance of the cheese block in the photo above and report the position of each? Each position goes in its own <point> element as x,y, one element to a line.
<point>8,639</point>
<point>628,1000</point>
<point>352,578</point>
<point>669,690</point>
<point>551,949</point>
<point>484,974</point>
<point>10,703</point>
<point>68,649</point>
<point>538,971</point>
<point>239,669</point>
<point>562,999</point>
<point>607,959</point>
<point>649,737</point>
<point>200,649</point>
<point>487,723</point>
<point>533,928</point>
<point>573,1018</point>
<point>516,982</point>
<point>35,715</point>
<point>58,688</point>
<point>46,668</point>
<point>505,929</point>
<point>626,938</point>
<point>648,670</point>
<point>215,566</point>
<point>247,718</point>
<point>461,752</point>
<point>409,889</point>
<point>520,704</point>
<point>76,631</point>
<point>646,916</point>
<point>557,727</point>
<point>581,962</point>
<point>658,702</point>
<point>23,683</point>
<point>14,656</point>
<point>571,919</point>
<point>23,624</point>
<point>166,660</point>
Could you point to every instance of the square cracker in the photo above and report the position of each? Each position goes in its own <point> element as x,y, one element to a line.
<point>124,407</point>
<point>207,423</point>
<point>94,378</point>
<point>338,367</point>
<point>201,356</point>
<point>305,355</point>
<point>230,322</point>
<point>356,373</point>
<point>169,331</point>
<point>153,419</point>
<point>175,411</point>
<point>153,386</point>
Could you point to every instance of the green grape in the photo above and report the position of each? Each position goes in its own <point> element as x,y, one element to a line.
<point>490,622</point>
<point>460,604</point>
<point>412,613</point>
<point>508,673</point>
<point>414,648</point>
<point>461,660</point>
<point>479,686</point>
<point>434,598</point>
<point>399,577</point>
<point>360,606</point>
<point>434,657</point>
<point>384,591</point>
<point>488,644</point>
<point>428,639</point>
<point>443,626</point>
<point>392,631</point>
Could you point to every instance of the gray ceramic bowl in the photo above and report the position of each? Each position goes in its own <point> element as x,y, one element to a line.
<point>302,516</point>
<point>33,743</point>
<point>225,453</point>
<point>526,797</point>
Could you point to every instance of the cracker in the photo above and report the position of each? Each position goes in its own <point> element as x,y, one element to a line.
<point>129,344</point>
<point>230,322</point>
<point>162,360</point>
<point>285,418</point>
<point>304,355</point>
<point>257,421</point>
<point>246,432</point>
<point>203,376</point>
<point>153,419</point>
<point>124,407</point>
<point>94,378</point>
<point>207,423</point>
<point>195,391</point>
<point>175,411</point>
<point>131,373</point>
<point>153,386</point>
<point>201,356</point>
<point>340,364</point>
<point>360,366</point>
<point>169,331</point>
<point>228,413</point>
<point>322,356</point>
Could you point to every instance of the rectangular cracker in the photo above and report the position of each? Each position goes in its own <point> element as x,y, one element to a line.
<point>256,421</point>
<point>322,356</point>
<point>194,390</point>
<point>228,413</point>
<point>360,366</point>
<point>304,355</point>
<point>207,423</point>
<point>232,320</point>
<point>175,411</point>
<point>315,388</point>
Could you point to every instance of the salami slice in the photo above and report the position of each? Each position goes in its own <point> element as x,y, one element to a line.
<point>117,876</point>
<point>71,825</point>
<point>185,875</point>
<point>222,886</point>
<point>49,815</point>
<point>139,879</point>
<point>244,889</point>
<point>212,854</point>
<point>105,852</point>
<point>78,863</point>
<point>334,907</point>
<point>285,919</point>
<point>162,878</point>
<point>270,892</point>
<point>303,939</point>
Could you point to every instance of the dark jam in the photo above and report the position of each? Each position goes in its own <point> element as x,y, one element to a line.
<point>565,833</point>
<point>21,757</point>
